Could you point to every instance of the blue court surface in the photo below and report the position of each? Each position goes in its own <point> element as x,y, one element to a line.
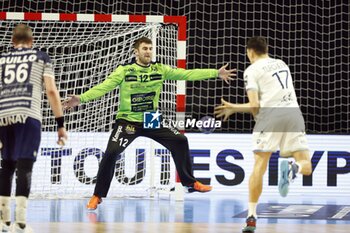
<point>218,213</point>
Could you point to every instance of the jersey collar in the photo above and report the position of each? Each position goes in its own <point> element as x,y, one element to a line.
<point>142,65</point>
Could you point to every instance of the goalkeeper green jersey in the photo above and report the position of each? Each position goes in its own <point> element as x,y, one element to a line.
<point>140,87</point>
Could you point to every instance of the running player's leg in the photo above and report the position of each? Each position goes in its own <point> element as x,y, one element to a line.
<point>256,179</point>
<point>255,188</point>
<point>264,143</point>
<point>293,144</point>
<point>177,144</point>
<point>303,162</point>
<point>120,139</point>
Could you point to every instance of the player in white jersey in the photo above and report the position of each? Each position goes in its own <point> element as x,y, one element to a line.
<point>22,73</point>
<point>279,122</point>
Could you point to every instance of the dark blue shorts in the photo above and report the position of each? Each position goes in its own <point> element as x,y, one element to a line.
<point>20,140</point>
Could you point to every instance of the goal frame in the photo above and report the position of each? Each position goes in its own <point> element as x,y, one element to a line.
<point>179,21</point>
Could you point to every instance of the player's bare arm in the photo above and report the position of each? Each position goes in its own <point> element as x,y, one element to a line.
<point>254,102</point>
<point>55,102</point>
<point>226,109</point>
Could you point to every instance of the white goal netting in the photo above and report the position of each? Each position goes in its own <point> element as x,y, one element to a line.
<point>83,54</point>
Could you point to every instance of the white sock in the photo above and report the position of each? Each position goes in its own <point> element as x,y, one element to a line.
<point>299,166</point>
<point>21,209</point>
<point>252,209</point>
<point>5,209</point>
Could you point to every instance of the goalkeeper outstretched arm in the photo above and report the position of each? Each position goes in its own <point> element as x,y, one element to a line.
<point>112,81</point>
<point>199,74</point>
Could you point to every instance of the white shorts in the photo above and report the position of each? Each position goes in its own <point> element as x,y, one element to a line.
<point>280,128</point>
<point>286,142</point>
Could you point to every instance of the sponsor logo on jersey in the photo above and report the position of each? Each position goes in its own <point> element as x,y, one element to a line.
<point>116,135</point>
<point>130,129</point>
<point>10,120</point>
<point>142,98</point>
<point>154,77</point>
<point>131,70</point>
<point>245,80</point>
<point>130,78</point>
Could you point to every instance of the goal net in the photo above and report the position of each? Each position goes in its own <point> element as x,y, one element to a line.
<point>83,54</point>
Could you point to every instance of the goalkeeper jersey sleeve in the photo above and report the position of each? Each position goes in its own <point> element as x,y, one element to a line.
<point>189,75</point>
<point>112,81</point>
<point>140,87</point>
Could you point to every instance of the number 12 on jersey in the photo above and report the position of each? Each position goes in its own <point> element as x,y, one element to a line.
<point>282,77</point>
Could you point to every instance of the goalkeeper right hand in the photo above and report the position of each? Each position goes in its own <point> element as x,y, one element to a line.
<point>71,102</point>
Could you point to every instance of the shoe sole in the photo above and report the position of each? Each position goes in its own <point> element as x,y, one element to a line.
<point>192,190</point>
<point>92,208</point>
<point>95,207</point>
<point>248,230</point>
<point>283,185</point>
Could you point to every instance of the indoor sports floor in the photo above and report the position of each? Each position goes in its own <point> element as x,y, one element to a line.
<point>198,213</point>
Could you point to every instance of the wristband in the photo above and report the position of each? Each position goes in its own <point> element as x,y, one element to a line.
<point>60,122</point>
